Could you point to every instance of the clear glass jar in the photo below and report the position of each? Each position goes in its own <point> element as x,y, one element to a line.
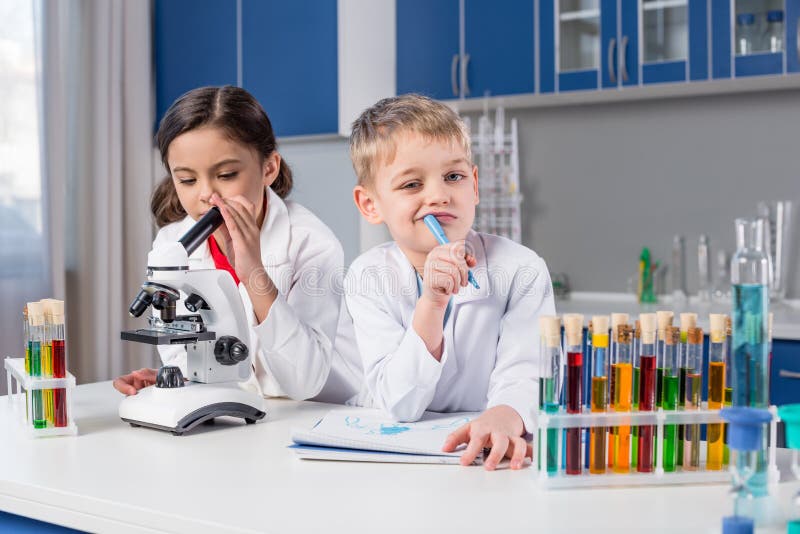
<point>745,33</point>
<point>774,35</point>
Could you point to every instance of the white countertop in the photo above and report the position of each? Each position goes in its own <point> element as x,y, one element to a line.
<point>236,478</point>
<point>785,321</point>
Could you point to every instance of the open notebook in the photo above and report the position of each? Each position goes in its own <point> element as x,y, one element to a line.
<point>367,435</point>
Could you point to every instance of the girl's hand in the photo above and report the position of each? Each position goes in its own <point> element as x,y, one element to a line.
<point>130,384</point>
<point>242,236</point>
<point>499,428</point>
<point>445,272</point>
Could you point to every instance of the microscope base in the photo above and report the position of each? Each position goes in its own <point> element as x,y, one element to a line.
<point>179,410</point>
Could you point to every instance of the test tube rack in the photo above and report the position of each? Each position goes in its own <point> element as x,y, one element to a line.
<point>22,404</point>
<point>658,476</point>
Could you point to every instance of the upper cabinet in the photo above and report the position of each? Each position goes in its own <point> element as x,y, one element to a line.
<point>755,38</point>
<point>461,48</point>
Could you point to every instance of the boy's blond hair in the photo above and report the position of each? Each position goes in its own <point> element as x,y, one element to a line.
<point>372,139</point>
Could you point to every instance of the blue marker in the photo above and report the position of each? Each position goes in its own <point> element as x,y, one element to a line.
<point>438,233</point>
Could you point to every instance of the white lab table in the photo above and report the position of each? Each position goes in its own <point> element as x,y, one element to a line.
<point>235,478</point>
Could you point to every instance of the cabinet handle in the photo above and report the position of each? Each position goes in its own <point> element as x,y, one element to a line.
<point>611,47</point>
<point>464,80</point>
<point>453,74</point>
<point>783,373</point>
<point>623,59</point>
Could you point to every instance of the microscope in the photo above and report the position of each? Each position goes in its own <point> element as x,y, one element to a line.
<point>215,335</point>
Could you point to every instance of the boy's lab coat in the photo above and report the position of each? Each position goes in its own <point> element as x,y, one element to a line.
<point>304,347</point>
<point>491,338</point>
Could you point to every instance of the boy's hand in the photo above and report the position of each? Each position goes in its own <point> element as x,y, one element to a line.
<point>445,272</point>
<point>501,429</point>
<point>131,383</point>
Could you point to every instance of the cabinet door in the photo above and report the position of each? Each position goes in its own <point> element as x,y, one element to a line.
<point>499,47</point>
<point>186,56</point>
<point>785,386</point>
<point>759,37</point>
<point>289,63</point>
<point>428,47</point>
<point>578,45</point>
<point>674,40</point>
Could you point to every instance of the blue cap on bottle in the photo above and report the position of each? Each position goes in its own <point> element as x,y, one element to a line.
<point>745,19</point>
<point>775,16</point>
<point>737,524</point>
<point>793,527</point>
<point>745,427</point>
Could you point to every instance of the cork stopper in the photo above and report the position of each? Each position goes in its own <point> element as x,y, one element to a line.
<point>728,325</point>
<point>550,330</point>
<point>35,314</point>
<point>624,333</point>
<point>57,311</point>
<point>648,322</point>
<point>616,320</point>
<point>637,329</point>
<point>695,335</point>
<point>664,322</point>
<point>688,320</point>
<point>25,312</point>
<point>717,329</point>
<point>673,336</point>
<point>573,328</point>
<point>600,324</point>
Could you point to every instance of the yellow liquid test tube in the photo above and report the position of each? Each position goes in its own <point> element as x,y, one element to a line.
<point>694,381</point>
<point>597,438</point>
<point>716,390</point>
<point>622,380</point>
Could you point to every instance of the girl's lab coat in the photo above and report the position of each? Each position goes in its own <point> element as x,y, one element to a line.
<point>491,338</point>
<point>304,347</point>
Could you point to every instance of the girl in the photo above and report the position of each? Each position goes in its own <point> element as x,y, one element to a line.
<point>219,148</point>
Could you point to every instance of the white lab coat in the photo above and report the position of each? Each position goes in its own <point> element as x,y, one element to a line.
<point>305,347</point>
<point>491,338</point>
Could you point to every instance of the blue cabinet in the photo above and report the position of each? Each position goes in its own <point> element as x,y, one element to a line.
<point>285,55</point>
<point>499,44</point>
<point>289,63</point>
<point>785,372</point>
<point>742,43</point>
<point>186,55</point>
<point>428,47</point>
<point>490,54</point>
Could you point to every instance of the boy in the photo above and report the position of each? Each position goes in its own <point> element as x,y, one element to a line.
<point>428,340</point>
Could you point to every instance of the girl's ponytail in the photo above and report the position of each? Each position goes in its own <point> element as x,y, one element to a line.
<point>283,183</point>
<point>165,205</point>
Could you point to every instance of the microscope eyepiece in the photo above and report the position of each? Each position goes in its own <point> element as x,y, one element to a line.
<point>202,229</point>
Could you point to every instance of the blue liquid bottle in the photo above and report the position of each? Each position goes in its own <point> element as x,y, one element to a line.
<point>750,352</point>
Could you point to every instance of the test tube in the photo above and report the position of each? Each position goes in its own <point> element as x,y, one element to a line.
<point>637,345</point>
<point>26,337</point>
<point>688,320</point>
<point>587,389</point>
<point>622,369</point>
<point>647,390</point>
<point>47,360</point>
<point>551,375</point>
<point>694,384</point>
<point>36,327</point>
<point>59,362</point>
<point>716,389</point>
<point>670,389</point>
<point>664,321</point>
<point>728,385</point>
<point>573,330</point>
<point>597,443</point>
<point>617,319</point>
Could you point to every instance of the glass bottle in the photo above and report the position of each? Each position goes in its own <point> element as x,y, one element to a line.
<point>745,33</point>
<point>774,33</point>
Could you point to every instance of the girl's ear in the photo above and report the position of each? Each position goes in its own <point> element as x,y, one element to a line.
<point>270,168</point>
<point>365,202</point>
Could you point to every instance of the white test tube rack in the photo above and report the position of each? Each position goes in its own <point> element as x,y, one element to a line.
<point>22,404</point>
<point>658,476</point>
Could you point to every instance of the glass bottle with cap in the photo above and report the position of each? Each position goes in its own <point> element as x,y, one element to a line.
<point>774,33</point>
<point>745,33</point>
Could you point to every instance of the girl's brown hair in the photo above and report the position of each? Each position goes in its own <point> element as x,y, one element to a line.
<point>235,112</point>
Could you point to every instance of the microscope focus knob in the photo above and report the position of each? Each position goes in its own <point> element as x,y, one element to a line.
<point>229,350</point>
<point>169,376</point>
